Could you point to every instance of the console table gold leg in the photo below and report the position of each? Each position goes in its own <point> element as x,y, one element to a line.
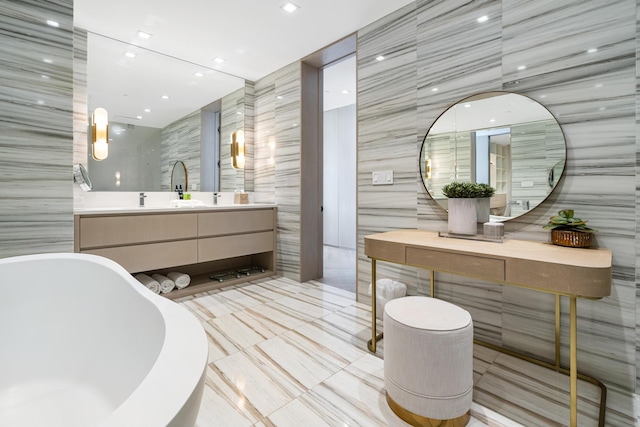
<point>557,332</point>
<point>573,361</point>
<point>372,343</point>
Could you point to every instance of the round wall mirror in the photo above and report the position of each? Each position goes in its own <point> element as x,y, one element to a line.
<point>179,179</point>
<point>503,139</point>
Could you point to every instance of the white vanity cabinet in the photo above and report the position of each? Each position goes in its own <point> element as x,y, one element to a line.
<point>200,242</point>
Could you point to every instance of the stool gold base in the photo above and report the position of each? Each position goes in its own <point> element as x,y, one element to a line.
<point>420,421</point>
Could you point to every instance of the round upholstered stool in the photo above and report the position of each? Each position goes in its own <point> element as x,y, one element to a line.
<point>428,361</point>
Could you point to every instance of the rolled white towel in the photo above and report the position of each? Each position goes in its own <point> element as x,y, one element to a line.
<point>181,280</point>
<point>166,284</point>
<point>149,282</point>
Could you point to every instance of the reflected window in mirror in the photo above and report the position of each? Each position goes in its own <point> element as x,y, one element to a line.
<point>504,139</point>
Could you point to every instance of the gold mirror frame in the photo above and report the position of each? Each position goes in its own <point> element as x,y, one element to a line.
<point>181,169</point>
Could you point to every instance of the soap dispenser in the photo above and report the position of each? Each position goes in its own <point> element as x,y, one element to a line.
<point>180,194</point>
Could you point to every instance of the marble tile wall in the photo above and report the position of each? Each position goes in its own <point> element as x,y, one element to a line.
<point>249,134</point>
<point>277,159</point>
<point>593,97</point>
<point>231,119</point>
<point>264,140</point>
<point>387,136</point>
<point>36,127</point>
<point>80,98</point>
<point>181,142</point>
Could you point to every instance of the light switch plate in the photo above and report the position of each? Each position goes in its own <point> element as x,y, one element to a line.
<point>382,177</point>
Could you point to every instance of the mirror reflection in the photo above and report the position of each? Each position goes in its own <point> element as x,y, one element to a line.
<point>161,110</point>
<point>179,177</point>
<point>503,139</point>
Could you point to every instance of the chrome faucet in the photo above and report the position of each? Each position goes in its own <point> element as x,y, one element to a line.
<point>215,198</point>
<point>142,196</point>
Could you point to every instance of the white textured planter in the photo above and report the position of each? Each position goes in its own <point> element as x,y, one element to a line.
<point>462,216</point>
<point>483,207</point>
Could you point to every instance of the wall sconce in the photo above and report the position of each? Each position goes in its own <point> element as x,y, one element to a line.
<point>427,168</point>
<point>237,149</point>
<point>100,134</point>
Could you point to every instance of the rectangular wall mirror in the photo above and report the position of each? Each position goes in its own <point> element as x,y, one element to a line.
<point>161,110</point>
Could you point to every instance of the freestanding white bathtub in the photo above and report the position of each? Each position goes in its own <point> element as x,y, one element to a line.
<point>82,343</point>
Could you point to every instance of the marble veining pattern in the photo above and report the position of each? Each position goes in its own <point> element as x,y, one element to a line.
<point>249,135</point>
<point>275,362</point>
<point>231,120</point>
<point>36,128</point>
<point>277,159</point>
<point>181,142</point>
<point>80,97</point>
<point>386,134</point>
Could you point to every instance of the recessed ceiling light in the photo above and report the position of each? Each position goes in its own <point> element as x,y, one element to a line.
<point>48,61</point>
<point>467,105</point>
<point>482,19</point>
<point>345,91</point>
<point>290,7</point>
<point>165,96</point>
<point>130,54</point>
<point>380,58</point>
<point>139,117</point>
<point>294,125</point>
<point>592,50</point>
<point>53,23</point>
<point>218,60</point>
<point>279,97</point>
<point>198,74</point>
<point>435,89</point>
<point>599,85</point>
<point>239,113</point>
<point>44,76</point>
<point>522,67</point>
<point>492,120</point>
<point>144,35</point>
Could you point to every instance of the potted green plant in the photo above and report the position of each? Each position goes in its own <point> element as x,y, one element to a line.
<point>567,230</point>
<point>463,205</point>
<point>483,201</point>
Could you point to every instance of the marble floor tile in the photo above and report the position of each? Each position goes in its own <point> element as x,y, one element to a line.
<point>284,353</point>
<point>262,384</point>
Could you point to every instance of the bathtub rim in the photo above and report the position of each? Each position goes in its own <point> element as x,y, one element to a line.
<point>176,376</point>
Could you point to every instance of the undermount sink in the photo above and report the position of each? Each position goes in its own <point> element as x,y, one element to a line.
<point>193,203</point>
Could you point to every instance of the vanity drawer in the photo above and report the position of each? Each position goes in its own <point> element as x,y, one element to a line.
<point>129,229</point>
<point>233,222</point>
<point>481,267</point>
<point>152,256</point>
<point>214,248</point>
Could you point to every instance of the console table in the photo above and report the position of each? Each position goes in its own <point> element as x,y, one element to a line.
<point>569,272</point>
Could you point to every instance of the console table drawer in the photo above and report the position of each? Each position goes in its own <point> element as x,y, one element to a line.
<point>470,265</point>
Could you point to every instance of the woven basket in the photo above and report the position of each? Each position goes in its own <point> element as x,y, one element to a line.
<point>574,239</point>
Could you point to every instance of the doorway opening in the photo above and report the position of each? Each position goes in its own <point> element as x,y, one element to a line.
<point>339,172</point>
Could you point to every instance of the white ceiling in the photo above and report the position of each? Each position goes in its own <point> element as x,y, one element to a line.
<point>254,37</point>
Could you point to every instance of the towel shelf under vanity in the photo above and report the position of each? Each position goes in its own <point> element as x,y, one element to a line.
<point>199,242</point>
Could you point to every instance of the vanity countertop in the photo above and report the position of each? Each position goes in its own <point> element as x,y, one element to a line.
<point>167,209</point>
